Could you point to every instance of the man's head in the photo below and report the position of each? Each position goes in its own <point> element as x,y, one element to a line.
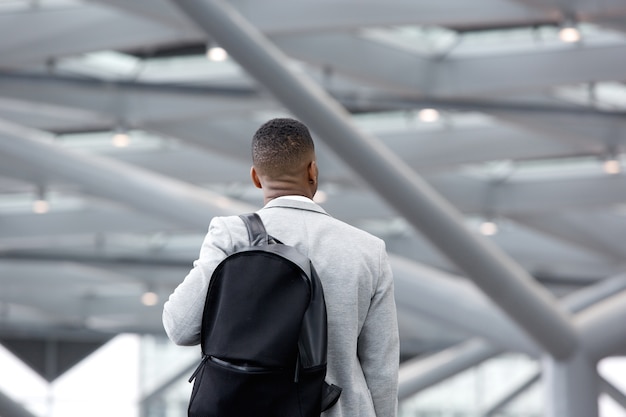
<point>283,159</point>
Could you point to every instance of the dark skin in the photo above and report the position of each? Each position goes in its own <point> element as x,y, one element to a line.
<point>302,182</point>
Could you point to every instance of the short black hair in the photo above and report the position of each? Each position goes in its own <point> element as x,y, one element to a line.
<point>280,146</point>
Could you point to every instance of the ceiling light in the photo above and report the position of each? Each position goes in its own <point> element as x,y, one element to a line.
<point>428,115</point>
<point>120,139</point>
<point>216,53</point>
<point>41,206</point>
<point>149,298</point>
<point>612,166</point>
<point>569,34</point>
<point>488,228</point>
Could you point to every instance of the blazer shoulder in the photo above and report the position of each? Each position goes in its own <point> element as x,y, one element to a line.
<point>230,229</point>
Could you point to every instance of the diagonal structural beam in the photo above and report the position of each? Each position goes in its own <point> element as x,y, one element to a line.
<point>602,327</point>
<point>605,387</point>
<point>144,190</point>
<point>613,392</point>
<point>457,303</point>
<point>420,373</point>
<point>530,305</point>
<point>10,408</point>
<point>184,370</point>
<point>513,394</point>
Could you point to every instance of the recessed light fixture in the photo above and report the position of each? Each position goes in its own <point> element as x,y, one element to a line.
<point>569,33</point>
<point>41,204</point>
<point>428,115</point>
<point>216,53</point>
<point>488,228</point>
<point>612,166</point>
<point>120,139</point>
<point>149,298</point>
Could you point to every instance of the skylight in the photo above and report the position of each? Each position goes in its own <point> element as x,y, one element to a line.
<point>609,96</point>
<point>439,42</point>
<point>545,169</point>
<point>114,65</point>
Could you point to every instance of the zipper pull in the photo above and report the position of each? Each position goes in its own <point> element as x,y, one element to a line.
<point>195,373</point>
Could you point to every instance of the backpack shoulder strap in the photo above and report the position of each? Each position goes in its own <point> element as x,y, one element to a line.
<point>256,231</point>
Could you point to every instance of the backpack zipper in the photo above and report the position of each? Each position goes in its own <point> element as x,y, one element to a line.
<point>243,368</point>
<point>195,373</point>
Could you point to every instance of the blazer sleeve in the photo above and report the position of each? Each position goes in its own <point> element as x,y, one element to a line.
<point>182,312</point>
<point>379,346</point>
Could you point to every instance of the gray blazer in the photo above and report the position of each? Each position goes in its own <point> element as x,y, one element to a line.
<point>363,351</point>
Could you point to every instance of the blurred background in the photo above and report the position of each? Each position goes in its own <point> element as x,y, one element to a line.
<point>125,127</point>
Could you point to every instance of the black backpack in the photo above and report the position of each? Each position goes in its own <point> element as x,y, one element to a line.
<point>263,335</point>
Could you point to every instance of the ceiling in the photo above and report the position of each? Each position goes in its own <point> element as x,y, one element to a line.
<point>483,101</point>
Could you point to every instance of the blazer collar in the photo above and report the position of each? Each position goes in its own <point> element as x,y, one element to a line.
<point>296,204</point>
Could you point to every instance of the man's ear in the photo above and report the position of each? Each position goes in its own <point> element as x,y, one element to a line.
<point>312,171</point>
<point>255,178</point>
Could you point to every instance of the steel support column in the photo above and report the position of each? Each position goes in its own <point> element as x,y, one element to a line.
<point>572,386</point>
<point>529,304</point>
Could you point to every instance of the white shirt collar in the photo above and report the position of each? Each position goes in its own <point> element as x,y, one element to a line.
<point>295,197</point>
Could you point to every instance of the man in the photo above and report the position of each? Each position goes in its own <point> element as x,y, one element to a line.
<point>363,352</point>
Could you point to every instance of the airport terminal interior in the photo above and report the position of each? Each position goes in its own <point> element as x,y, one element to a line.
<point>482,140</point>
